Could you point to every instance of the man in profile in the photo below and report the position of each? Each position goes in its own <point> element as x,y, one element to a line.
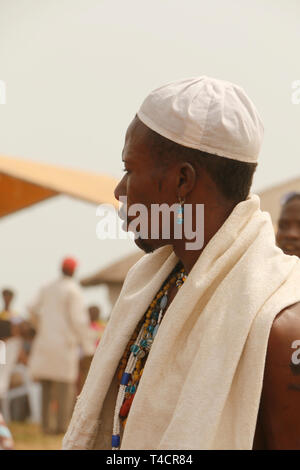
<point>197,350</point>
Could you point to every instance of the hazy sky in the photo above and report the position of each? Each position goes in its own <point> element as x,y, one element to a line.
<point>76,72</point>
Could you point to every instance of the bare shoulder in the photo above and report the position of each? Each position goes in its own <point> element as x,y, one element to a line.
<point>280,400</point>
<point>284,332</point>
<point>288,316</point>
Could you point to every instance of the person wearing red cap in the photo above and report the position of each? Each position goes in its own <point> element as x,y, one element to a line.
<point>62,323</point>
<point>68,266</point>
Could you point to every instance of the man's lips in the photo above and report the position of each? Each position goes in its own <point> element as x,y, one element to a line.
<point>290,248</point>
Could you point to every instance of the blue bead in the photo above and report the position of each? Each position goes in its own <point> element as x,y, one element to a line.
<point>150,328</point>
<point>143,343</point>
<point>179,221</point>
<point>163,301</point>
<point>134,348</point>
<point>155,331</point>
<point>125,378</point>
<point>155,314</point>
<point>115,440</point>
<point>132,389</point>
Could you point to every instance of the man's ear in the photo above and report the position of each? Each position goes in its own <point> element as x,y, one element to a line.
<point>186,179</point>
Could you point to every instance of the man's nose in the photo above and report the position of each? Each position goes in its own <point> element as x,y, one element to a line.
<point>120,189</point>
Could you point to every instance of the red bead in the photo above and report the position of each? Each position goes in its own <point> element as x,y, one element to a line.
<point>126,407</point>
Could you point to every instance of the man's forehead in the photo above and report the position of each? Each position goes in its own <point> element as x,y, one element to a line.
<point>291,210</point>
<point>130,128</point>
<point>135,139</point>
<point>136,129</point>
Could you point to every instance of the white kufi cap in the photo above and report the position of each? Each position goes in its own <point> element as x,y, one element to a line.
<point>204,113</point>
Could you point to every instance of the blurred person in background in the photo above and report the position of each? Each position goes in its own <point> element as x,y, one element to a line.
<point>288,233</point>
<point>62,324</point>
<point>96,321</point>
<point>27,343</point>
<point>9,329</point>
<point>20,328</point>
<point>6,440</point>
<point>98,326</point>
<point>7,313</point>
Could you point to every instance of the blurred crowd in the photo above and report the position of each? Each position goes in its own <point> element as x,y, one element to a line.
<point>45,355</point>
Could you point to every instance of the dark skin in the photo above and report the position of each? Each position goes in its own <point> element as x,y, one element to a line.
<point>278,425</point>
<point>288,234</point>
<point>145,183</point>
<point>7,299</point>
<point>67,272</point>
<point>94,313</point>
<point>278,420</point>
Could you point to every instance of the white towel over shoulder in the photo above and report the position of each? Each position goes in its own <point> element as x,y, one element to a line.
<point>202,382</point>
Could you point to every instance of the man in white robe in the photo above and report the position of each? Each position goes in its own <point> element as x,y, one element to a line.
<point>61,320</point>
<point>223,368</point>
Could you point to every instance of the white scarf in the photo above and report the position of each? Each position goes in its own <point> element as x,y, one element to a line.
<point>202,381</point>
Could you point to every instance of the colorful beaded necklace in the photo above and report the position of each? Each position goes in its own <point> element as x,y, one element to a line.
<point>133,360</point>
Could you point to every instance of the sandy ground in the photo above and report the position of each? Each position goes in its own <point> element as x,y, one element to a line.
<point>28,436</point>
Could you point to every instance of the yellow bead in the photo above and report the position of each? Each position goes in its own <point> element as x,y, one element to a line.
<point>135,376</point>
<point>120,373</point>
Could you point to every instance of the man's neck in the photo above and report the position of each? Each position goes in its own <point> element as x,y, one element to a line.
<point>187,257</point>
<point>211,227</point>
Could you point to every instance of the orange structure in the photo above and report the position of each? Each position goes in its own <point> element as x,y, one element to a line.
<point>25,182</point>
